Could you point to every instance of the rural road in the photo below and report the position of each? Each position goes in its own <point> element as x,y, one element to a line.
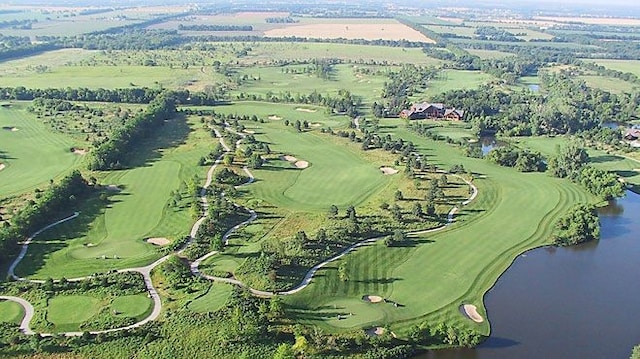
<point>194,266</point>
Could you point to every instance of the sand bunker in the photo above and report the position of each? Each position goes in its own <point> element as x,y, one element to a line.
<point>2,166</point>
<point>113,188</point>
<point>158,241</point>
<point>9,128</point>
<point>315,124</point>
<point>471,312</point>
<point>275,118</point>
<point>289,158</point>
<point>372,298</point>
<point>388,170</point>
<point>301,164</point>
<point>311,110</point>
<point>251,132</point>
<point>79,151</point>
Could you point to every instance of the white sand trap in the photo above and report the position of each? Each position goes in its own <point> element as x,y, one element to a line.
<point>90,245</point>
<point>12,129</point>
<point>372,298</point>
<point>275,117</point>
<point>315,124</point>
<point>158,241</point>
<point>388,170</point>
<point>251,132</point>
<point>376,331</point>
<point>113,188</point>
<point>289,158</point>
<point>301,109</point>
<point>2,166</point>
<point>79,151</point>
<point>471,311</point>
<point>302,164</point>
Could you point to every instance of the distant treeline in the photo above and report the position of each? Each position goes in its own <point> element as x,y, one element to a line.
<point>281,20</point>
<point>123,95</point>
<point>55,202</point>
<point>203,27</point>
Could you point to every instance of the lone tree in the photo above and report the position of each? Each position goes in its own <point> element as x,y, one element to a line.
<point>342,271</point>
<point>333,211</point>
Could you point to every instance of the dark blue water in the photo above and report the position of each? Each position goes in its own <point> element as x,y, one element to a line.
<point>577,302</point>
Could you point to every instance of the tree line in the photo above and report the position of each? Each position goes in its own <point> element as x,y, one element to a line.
<point>113,152</point>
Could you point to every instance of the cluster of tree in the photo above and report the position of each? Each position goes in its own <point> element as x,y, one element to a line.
<point>121,95</point>
<point>229,177</point>
<point>132,39</point>
<point>571,162</point>
<point>53,202</point>
<point>209,27</point>
<point>579,225</point>
<point>404,82</point>
<point>113,153</point>
<point>23,24</point>
<point>445,334</point>
<point>281,20</point>
<point>522,160</point>
<point>494,34</point>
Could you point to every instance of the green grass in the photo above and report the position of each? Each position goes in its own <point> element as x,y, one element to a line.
<point>213,299</point>
<point>272,51</point>
<point>67,313</point>
<point>10,312</point>
<point>489,54</point>
<point>453,80</point>
<point>274,80</point>
<point>112,236</point>
<point>632,66</point>
<point>610,84</point>
<point>33,154</point>
<point>453,266</point>
<point>132,306</point>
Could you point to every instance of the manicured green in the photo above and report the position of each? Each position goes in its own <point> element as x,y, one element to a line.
<point>31,153</point>
<point>609,84</point>
<point>10,312</point>
<point>456,265</point>
<point>68,312</point>
<point>132,306</point>
<point>111,235</point>
<point>213,299</point>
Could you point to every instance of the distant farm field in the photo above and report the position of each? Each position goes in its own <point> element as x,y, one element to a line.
<point>365,31</point>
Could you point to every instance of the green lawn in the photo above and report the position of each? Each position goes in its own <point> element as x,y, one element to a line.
<point>272,51</point>
<point>610,84</point>
<point>31,153</point>
<point>632,66</point>
<point>275,80</point>
<point>213,299</point>
<point>10,312</point>
<point>447,268</point>
<point>132,306</point>
<point>68,312</point>
<point>453,80</point>
<point>112,236</point>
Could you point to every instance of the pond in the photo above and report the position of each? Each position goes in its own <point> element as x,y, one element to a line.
<point>575,302</point>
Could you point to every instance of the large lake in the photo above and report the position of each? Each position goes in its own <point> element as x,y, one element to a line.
<point>578,302</point>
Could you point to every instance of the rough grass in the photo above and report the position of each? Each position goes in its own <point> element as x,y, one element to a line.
<point>610,84</point>
<point>33,154</point>
<point>67,313</point>
<point>452,80</point>
<point>111,235</point>
<point>10,312</point>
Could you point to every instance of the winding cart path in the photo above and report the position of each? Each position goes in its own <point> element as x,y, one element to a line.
<point>194,266</point>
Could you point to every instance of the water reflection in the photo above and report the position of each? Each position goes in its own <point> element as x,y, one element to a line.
<point>568,302</point>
